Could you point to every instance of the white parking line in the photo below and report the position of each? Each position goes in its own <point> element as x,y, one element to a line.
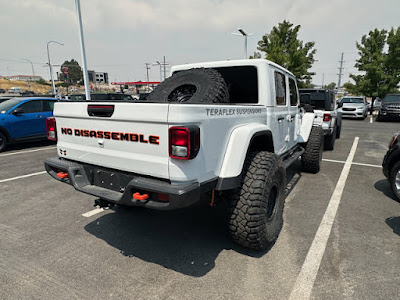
<point>93,212</point>
<point>308,273</point>
<point>23,176</point>
<point>354,163</point>
<point>27,151</point>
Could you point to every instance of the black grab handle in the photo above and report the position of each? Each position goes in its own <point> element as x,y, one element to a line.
<point>105,111</point>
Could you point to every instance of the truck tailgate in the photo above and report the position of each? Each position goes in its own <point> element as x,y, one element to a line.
<point>134,138</point>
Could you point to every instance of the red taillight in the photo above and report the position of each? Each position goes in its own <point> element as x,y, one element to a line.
<point>327,117</point>
<point>51,128</point>
<point>184,142</point>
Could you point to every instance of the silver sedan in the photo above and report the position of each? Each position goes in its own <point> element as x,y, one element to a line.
<point>353,107</point>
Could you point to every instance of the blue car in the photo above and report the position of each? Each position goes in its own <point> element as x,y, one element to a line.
<point>24,119</point>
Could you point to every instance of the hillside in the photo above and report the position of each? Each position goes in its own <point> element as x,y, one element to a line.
<point>7,84</point>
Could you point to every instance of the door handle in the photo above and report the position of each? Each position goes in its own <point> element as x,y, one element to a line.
<point>280,119</point>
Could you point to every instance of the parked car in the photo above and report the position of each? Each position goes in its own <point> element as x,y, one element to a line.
<point>27,93</point>
<point>391,165</point>
<point>2,91</point>
<point>101,96</point>
<point>390,108</point>
<point>325,107</point>
<point>24,119</point>
<point>143,96</point>
<point>15,90</point>
<point>353,107</point>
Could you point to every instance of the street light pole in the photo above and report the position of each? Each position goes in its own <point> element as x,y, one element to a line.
<point>85,71</point>
<point>33,73</point>
<point>147,72</point>
<point>51,69</point>
<point>245,35</point>
<point>158,63</point>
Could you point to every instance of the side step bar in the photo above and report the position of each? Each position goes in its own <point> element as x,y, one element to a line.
<point>292,157</point>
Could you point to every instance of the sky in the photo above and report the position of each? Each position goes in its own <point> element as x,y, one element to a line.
<point>122,35</point>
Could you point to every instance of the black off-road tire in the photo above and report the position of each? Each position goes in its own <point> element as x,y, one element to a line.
<point>3,142</point>
<point>312,157</point>
<point>392,179</point>
<point>256,207</point>
<point>192,86</point>
<point>329,140</point>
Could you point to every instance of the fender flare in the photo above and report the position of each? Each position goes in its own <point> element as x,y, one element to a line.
<point>307,123</point>
<point>242,139</point>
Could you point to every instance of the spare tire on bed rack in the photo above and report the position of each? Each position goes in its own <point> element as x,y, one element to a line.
<point>192,86</point>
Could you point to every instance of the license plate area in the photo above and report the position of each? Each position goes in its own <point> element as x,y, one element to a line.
<point>107,179</point>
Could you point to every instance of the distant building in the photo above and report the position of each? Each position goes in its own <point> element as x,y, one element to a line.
<point>22,77</point>
<point>98,77</point>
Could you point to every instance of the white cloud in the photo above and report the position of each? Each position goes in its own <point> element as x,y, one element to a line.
<point>121,35</point>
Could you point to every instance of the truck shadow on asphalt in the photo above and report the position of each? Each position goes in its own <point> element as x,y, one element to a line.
<point>394,223</point>
<point>187,241</point>
<point>28,145</point>
<point>384,187</point>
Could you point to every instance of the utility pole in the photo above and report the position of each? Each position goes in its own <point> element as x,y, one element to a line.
<point>323,79</point>
<point>165,68</point>
<point>148,66</point>
<point>159,64</point>
<point>340,72</point>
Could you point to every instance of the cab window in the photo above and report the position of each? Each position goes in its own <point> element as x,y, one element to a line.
<point>293,92</point>
<point>280,89</point>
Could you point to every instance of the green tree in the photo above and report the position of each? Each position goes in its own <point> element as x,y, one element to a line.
<point>75,73</point>
<point>351,88</point>
<point>256,55</point>
<point>381,71</point>
<point>42,81</point>
<point>331,86</point>
<point>283,47</point>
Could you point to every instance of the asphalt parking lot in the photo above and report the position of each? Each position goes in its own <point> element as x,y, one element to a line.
<point>340,240</point>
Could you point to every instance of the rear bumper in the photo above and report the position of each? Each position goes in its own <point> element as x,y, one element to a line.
<point>111,186</point>
<point>353,114</point>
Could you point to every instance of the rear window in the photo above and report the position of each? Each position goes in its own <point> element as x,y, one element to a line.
<point>318,99</point>
<point>242,82</point>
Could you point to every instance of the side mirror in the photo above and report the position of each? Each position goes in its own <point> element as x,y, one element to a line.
<point>17,111</point>
<point>340,104</point>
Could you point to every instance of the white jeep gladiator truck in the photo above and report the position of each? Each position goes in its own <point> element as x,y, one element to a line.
<point>228,129</point>
<point>326,112</point>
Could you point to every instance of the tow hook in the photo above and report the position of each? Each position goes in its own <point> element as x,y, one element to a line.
<point>101,203</point>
